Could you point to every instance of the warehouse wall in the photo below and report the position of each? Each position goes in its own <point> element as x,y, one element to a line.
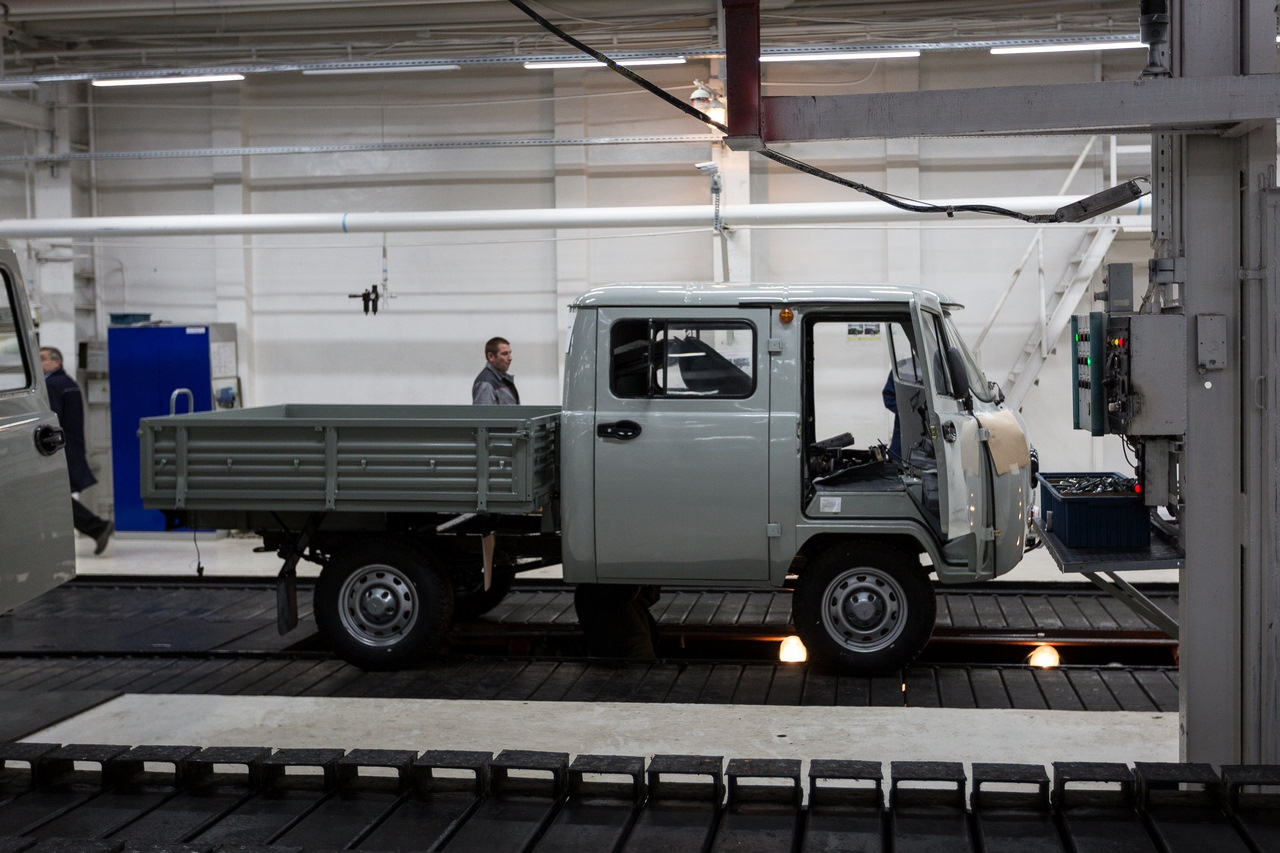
<point>303,340</point>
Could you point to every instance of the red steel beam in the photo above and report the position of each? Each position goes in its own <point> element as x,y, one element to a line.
<point>742,74</point>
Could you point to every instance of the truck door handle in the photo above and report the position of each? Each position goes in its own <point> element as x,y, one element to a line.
<point>623,430</point>
<point>49,439</point>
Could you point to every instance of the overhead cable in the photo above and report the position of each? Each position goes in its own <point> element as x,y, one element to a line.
<point>901,202</point>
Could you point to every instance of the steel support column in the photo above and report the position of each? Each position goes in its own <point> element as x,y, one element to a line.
<point>1217,190</point>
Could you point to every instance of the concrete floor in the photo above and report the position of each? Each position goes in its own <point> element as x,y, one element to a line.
<point>883,734</point>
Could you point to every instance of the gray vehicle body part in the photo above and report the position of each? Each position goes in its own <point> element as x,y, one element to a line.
<point>352,459</point>
<point>35,526</point>
<point>710,490</point>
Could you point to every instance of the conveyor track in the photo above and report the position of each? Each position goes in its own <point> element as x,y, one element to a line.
<point>94,639</point>
<point>115,798</point>
<point>140,615</point>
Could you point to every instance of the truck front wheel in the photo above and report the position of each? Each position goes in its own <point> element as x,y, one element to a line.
<point>382,605</point>
<point>864,609</point>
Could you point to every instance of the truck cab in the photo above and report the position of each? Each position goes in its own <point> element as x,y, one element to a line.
<point>839,438</point>
<point>35,527</point>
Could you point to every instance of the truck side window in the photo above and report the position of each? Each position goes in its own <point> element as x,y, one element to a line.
<point>906,362</point>
<point>939,354</point>
<point>14,373</point>
<point>676,358</point>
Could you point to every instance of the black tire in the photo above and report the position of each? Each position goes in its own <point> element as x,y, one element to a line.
<point>864,609</point>
<point>471,600</point>
<point>383,605</point>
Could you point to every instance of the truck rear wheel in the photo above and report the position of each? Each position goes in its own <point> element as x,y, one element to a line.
<point>383,605</point>
<point>864,609</point>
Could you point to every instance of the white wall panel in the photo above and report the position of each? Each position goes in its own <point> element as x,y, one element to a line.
<point>309,342</point>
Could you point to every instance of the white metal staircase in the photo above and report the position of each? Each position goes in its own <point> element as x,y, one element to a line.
<point>1058,305</point>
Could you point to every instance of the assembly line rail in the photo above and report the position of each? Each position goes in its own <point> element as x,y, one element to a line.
<point>203,800</point>
<point>95,639</point>
<point>138,614</point>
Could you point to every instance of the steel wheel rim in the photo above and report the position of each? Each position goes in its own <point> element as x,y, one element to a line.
<point>864,609</point>
<point>378,605</point>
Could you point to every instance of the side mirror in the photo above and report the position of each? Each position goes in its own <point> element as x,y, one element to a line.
<point>959,374</point>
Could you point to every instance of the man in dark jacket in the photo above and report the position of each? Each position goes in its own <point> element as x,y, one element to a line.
<point>494,387</point>
<point>68,404</point>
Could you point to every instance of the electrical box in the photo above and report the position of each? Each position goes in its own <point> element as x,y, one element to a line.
<point>1087,334</point>
<point>1128,374</point>
<point>1119,281</point>
<point>1144,362</point>
<point>1211,342</point>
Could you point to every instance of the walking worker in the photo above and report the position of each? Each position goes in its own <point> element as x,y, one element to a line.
<point>68,404</point>
<point>494,387</point>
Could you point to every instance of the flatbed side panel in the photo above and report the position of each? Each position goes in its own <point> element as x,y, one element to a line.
<point>353,458</point>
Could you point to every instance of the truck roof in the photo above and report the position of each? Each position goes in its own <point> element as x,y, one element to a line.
<point>704,293</point>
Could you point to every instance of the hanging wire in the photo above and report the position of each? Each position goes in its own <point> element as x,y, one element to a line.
<point>900,202</point>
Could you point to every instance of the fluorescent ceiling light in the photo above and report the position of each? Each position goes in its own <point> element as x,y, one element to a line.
<point>848,54</point>
<point>591,63</point>
<point>568,63</point>
<point>381,69</point>
<point>1065,47</point>
<point>657,60</point>
<point>164,81</point>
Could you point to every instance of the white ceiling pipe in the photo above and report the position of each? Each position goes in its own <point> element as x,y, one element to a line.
<point>53,9</point>
<point>741,216</point>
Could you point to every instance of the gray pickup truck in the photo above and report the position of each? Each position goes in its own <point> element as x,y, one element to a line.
<point>706,437</point>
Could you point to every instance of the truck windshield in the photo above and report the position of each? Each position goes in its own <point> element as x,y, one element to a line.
<point>977,380</point>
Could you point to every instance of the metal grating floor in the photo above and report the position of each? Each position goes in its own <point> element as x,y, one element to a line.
<point>138,615</point>
<point>90,641</point>
<point>176,798</point>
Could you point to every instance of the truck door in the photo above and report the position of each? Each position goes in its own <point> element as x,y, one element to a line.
<point>681,445</point>
<point>963,495</point>
<point>35,526</point>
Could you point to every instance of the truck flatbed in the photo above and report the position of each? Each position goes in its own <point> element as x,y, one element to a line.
<point>353,458</point>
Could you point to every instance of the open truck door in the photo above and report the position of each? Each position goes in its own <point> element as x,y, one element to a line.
<point>37,545</point>
<point>954,431</point>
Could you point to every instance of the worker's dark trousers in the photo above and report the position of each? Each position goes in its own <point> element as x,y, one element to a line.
<point>85,521</point>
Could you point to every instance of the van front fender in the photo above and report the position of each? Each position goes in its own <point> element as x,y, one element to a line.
<point>952,563</point>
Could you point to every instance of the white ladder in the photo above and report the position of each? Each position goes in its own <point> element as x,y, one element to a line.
<point>1057,308</point>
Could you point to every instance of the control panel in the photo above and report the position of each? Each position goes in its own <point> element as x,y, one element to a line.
<point>1127,370</point>
<point>1087,409</point>
<point>1145,358</point>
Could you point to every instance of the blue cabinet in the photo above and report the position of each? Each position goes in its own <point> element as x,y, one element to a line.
<point>146,364</point>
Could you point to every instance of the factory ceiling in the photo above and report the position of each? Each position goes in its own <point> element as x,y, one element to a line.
<point>46,37</point>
